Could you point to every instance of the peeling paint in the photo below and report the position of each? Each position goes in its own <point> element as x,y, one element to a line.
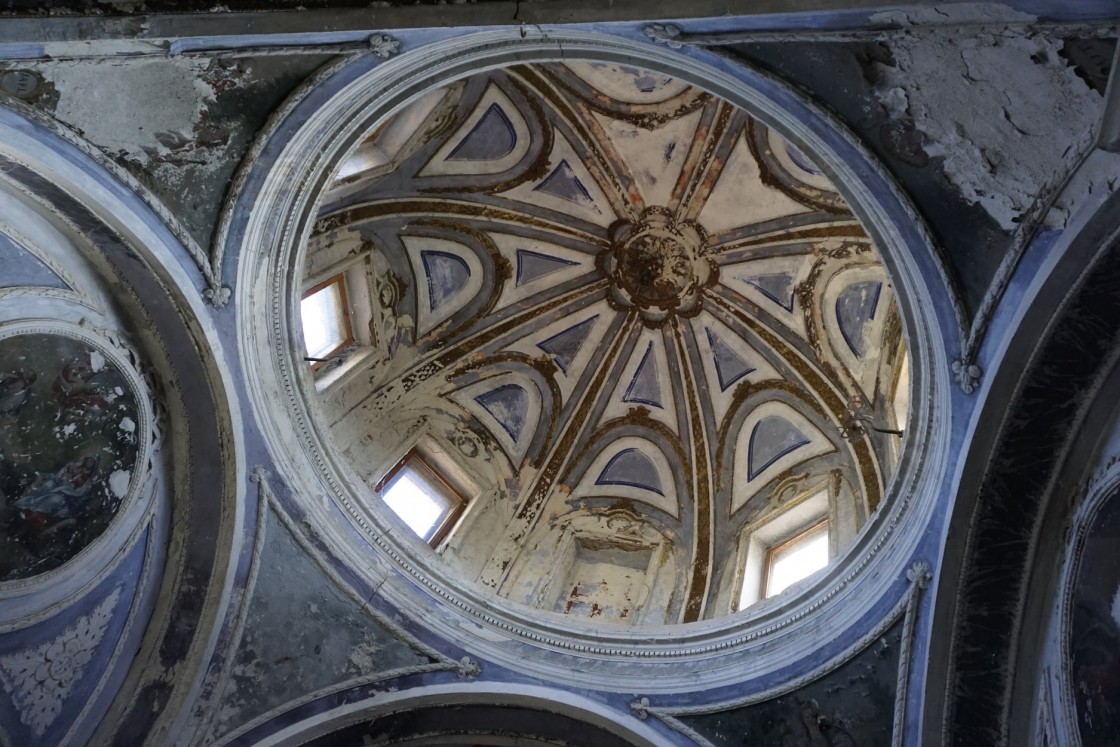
<point>1003,112</point>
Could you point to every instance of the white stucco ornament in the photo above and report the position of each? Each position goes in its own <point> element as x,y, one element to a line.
<point>41,678</point>
<point>664,33</point>
<point>384,45</point>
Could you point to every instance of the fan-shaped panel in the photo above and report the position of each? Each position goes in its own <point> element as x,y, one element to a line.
<point>632,468</point>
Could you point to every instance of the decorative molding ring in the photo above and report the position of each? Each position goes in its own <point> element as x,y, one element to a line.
<point>918,577</point>
<point>1103,487</point>
<point>276,212</point>
<point>103,552</point>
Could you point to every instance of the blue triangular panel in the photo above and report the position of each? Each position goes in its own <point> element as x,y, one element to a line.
<point>855,305</point>
<point>491,138</point>
<point>644,386</point>
<point>21,267</point>
<point>564,346</point>
<point>730,366</point>
<point>563,183</point>
<point>771,439</point>
<point>509,405</point>
<point>447,275</point>
<point>801,160</point>
<point>777,287</point>
<point>534,265</point>
<point>632,468</point>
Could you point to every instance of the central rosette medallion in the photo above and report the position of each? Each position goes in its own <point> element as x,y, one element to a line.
<point>658,265</point>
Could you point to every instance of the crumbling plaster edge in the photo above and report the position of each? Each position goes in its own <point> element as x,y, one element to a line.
<point>172,224</point>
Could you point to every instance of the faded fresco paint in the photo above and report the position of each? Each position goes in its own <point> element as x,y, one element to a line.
<point>69,434</point>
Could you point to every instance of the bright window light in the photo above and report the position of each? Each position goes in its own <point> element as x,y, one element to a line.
<point>415,505</point>
<point>421,499</point>
<point>326,324</point>
<point>901,394</point>
<point>796,559</point>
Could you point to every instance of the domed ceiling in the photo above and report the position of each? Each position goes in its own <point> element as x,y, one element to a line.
<point>637,331</point>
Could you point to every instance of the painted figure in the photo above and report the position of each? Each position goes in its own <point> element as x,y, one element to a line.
<point>78,399</point>
<point>60,497</point>
<point>15,389</point>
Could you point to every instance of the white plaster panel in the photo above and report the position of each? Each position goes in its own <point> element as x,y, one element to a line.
<point>798,266</point>
<point>599,213</point>
<point>721,400</point>
<point>508,245</point>
<point>617,407</point>
<point>654,157</point>
<point>567,381</point>
<point>515,449</point>
<point>781,150</point>
<point>626,83</point>
<point>865,369</point>
<point>740,198</point>
<point>666,502</point>
<point>429,317</point>
<point>392,139</point>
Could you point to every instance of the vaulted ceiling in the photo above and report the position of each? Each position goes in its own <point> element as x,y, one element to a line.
<point>633,310</point>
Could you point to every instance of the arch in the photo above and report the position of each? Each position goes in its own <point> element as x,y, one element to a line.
<point>155,280</point>
<point>1029,434</point>
<point>304,724</point>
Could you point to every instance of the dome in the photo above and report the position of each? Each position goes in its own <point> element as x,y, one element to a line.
<point>598,342</point>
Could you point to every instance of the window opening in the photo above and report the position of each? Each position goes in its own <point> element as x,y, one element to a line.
<point>421,498</point>
<point>795,559</point>
<point>326,320</point>
<point>900,397</point>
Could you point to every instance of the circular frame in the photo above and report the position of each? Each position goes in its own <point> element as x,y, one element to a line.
<point>270,223</point>
<point>98,556</point>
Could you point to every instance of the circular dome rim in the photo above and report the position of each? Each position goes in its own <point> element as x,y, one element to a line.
<point>408,76</point>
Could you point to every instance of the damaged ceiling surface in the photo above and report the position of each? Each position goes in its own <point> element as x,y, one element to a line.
<point>645,321</point>
<point>559,374</point>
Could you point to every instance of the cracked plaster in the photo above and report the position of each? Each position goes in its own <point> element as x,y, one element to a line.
<point>1002,110</point>
<point>181,125</point>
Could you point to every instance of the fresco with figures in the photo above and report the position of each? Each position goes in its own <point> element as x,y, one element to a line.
<point>69,436</point>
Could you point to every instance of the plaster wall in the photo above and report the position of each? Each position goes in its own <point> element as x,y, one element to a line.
<point>180,126</point>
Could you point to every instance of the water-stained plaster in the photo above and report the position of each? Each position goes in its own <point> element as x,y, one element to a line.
<point>179,124</point>
<point>302,634</point>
